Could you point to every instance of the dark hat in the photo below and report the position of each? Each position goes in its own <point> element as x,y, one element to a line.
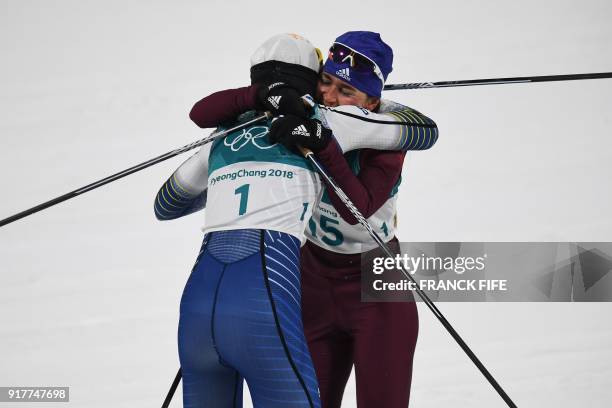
<point>361,44</point>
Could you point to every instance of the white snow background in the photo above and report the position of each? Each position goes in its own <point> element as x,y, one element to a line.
<point>90,289</point>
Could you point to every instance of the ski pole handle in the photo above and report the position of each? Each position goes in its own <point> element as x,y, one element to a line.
<point>305,152</point>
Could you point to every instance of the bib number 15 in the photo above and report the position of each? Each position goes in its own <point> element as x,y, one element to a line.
<point>332,235</point>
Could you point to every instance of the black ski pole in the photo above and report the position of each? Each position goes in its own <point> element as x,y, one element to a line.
<point>498,81</point>
<point>357,214</point>
<point>172,389</point>
<point>351,207</point>
<point>129,171</point>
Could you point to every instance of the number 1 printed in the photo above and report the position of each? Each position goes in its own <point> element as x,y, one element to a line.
<point>244,197</point>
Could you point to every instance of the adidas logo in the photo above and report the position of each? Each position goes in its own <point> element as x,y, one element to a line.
<point>275,101</point>
<point>300,131</point>
<point>344,73</point>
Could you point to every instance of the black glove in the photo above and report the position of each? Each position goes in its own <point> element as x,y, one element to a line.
<point>280,99</point>
<point>292,131</point>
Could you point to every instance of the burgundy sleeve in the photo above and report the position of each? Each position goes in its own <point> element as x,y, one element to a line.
<point>370,189</point>
<point>223,105</point>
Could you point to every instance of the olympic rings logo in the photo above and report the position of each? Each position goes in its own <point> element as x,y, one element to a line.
<point>252,135</point>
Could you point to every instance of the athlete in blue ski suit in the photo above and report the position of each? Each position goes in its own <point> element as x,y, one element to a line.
<point>228,247</point>
<point>240,314</point>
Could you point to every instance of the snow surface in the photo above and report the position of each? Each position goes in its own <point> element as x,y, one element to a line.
<point>89,289</point>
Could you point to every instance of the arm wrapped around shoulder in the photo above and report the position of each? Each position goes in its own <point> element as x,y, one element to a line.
<point>393,127</point>
<point>222,106</point>
<point>417,131</point>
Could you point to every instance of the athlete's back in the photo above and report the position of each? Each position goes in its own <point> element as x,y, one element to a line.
<point>255,184</point>
<point>240,315</point>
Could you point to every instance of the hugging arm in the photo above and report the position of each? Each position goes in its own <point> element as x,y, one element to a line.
<point>222,106</point>
<point>394,127</point>
<point>185,191</point>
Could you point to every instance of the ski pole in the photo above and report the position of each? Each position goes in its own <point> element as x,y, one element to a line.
<point>129,171</point>
<point>357,214</point>
<point>172,389</point>
<point>498,81</point>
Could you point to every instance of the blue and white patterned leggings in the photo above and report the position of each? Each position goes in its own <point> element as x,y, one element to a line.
<point>241,320</point>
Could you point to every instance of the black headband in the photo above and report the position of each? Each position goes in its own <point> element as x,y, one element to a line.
<point>299,77</point>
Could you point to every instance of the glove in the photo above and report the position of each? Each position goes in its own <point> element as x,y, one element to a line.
<point>292,131</point>
<point>280,99</point>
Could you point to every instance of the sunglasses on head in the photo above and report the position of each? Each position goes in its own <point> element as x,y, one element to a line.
<point>340,53</point>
